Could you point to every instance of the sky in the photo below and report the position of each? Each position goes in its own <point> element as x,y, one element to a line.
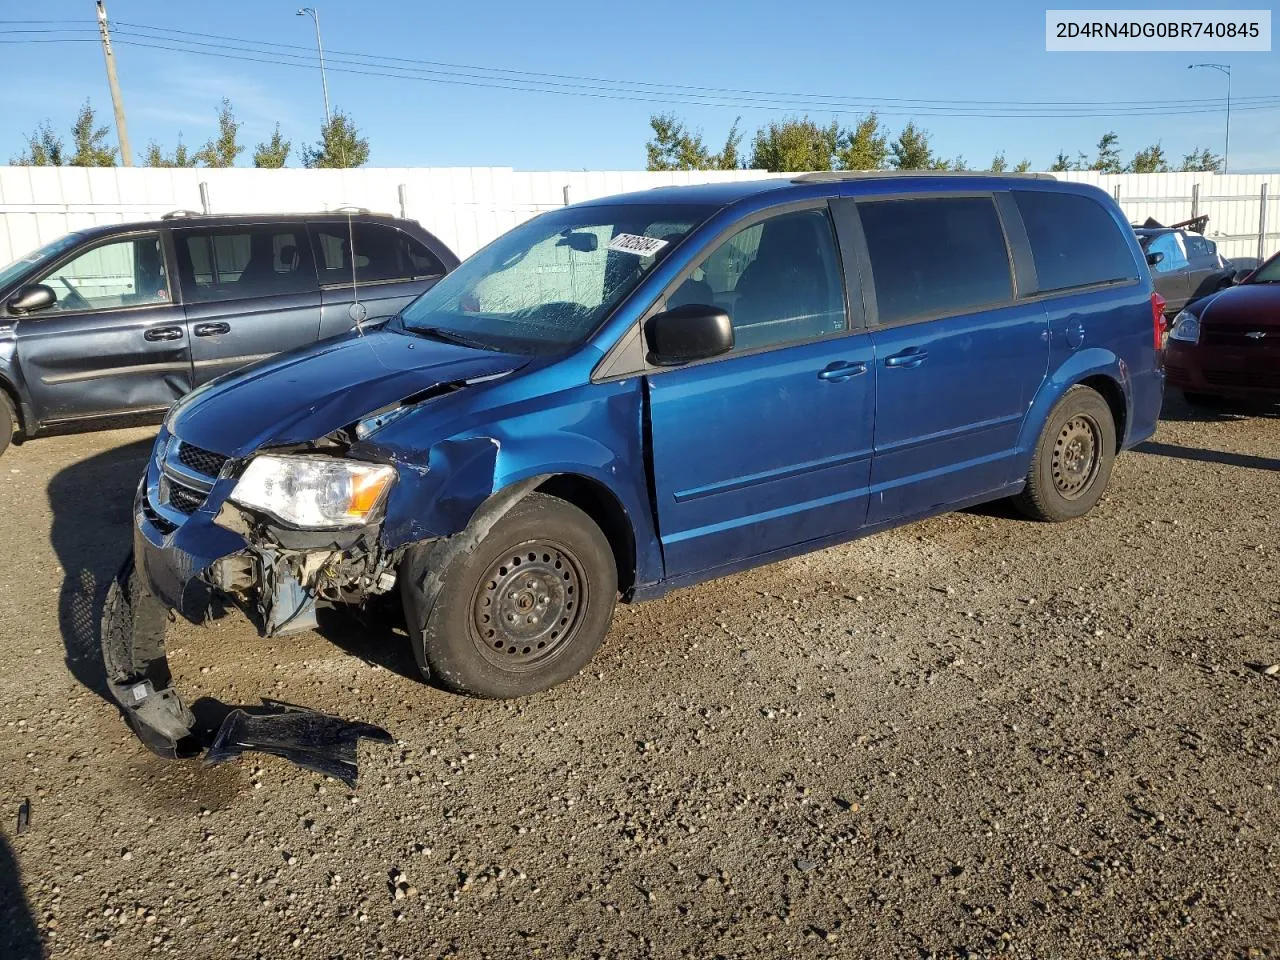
<point>819,56</point>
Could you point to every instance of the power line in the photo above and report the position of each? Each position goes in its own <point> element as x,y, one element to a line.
<point>247,45</point>
<point>675,98</point>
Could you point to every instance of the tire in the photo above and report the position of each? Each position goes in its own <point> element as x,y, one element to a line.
<point>8,421</point>
<point>536,563</point>
<point>1073,458</point>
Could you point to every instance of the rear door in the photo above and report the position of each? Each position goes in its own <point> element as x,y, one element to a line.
<point>1206,273</point>
<point>114,342</point>
<point>250,291</point>
<point>770,445</point>
<point>391,268</point>
<point>957,358</point>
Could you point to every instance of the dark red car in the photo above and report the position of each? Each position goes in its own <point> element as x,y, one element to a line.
<point>1228,344</point>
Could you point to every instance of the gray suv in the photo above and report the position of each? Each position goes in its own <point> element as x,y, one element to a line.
<point>112,324</point>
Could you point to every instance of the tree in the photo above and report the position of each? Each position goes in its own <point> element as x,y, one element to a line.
<point>795,145</point>
<point>223,151</point>
<point>274,152</point>
<point>340,145</point>
<point>1201,161</point>
<point>865,147</point>
<point>180,157</point>
<point>1108,158</point>
<point>998,164</point>
<point>1150,160</point>
<point>727,158</point>
<point>912,151</point>
<point>1023,166</point>
<point>44,148</point>
<point>675,147</point>
<point>1061,163</point>
<point>87,139</point>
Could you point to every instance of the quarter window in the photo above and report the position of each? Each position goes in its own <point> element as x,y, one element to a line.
<point>1075,242</point>
<point>935,257</point>
<point>240,262</point>
<point>126,273</point>
<point>381,253</point>
<point>779,280</point>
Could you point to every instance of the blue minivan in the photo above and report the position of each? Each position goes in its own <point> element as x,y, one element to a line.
<point>646,391</point>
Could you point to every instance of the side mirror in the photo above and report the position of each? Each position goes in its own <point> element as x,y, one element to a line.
<point>1240,276</point>
<point>33,297</point>
<point>694,331</point>
<point>1154,258</point>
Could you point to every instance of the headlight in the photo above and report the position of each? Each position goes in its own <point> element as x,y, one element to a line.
<point>314,492</point>
<point>1186,327</point>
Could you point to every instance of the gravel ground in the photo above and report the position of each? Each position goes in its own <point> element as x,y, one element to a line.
<point>975,736</point>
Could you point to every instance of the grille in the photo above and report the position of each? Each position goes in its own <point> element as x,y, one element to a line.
<point>201,460</point>
<point>1264,380</point>
<point>184,499</point>
<point>160,523</point>
<point>1239,337</point>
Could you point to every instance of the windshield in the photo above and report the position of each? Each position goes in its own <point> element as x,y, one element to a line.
<point>550,282</point>
<point>20,266</point>
<point>1269,272</point>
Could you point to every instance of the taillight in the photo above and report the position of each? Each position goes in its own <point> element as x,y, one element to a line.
<point>1157,319</point>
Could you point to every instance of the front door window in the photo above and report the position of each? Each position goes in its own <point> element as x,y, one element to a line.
<point>125,273</point>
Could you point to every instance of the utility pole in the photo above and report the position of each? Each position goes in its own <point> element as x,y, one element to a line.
<point>324,83</point>
<point>122,131</point>
<point>1224,68</point>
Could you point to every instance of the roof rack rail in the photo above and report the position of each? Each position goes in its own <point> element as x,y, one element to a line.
<point>175,214</point>
<point>831,176</point>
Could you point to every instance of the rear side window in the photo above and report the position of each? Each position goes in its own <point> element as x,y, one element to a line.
<point>1074,241</point>
<point>935,257</point>
<point>1198,246</point>
<point>381,253</point>
<point>235,263</point>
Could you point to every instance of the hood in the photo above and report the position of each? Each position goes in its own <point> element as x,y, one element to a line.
<point>303,395</point>
<point>1255,304</point>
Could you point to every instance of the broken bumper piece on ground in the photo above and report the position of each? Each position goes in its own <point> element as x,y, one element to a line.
<point>133,648</point>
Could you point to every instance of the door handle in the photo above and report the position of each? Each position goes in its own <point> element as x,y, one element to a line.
<point>211,329</point>
<point>842,370</point>
<point>910,357</point>
<point>163,333</point>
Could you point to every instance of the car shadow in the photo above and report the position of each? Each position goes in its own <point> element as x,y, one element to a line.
<point>1202,455</point>
<point>1178,410</point>
<point>91,502</point>
<point>19,938</point>
<point>377,634</point>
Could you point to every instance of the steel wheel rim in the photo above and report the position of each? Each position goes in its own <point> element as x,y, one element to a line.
<point>528,606</point>
<point>1075,456</point>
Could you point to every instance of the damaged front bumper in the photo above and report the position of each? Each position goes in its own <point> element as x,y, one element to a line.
<point>197,553</point>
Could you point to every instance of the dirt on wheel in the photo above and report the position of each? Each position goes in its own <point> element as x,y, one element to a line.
<point>973,736</point>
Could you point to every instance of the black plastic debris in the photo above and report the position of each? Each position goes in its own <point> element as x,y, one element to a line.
<point>24,817</point>
<point>315,741</point>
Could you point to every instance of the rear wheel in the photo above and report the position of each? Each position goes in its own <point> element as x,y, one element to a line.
<point>1073,458</point>
<point>523,610</point>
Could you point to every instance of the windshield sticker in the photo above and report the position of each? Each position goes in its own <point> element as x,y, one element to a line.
<point>640,246</point>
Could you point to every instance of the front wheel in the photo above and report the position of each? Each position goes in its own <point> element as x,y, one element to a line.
<point>524,609</point>
<point>8,421</point>
<point>1073,458</point>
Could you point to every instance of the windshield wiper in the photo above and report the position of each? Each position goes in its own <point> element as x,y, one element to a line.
<point>447,336</point>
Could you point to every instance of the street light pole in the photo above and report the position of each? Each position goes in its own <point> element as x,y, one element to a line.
<point>1221,68</point>
<point>324,83</point>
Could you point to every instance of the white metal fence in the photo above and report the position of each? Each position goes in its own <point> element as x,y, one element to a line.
<point>468,206</point>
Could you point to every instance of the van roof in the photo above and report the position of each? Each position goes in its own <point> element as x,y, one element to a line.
<point>188,218</point>
<point>855,182</point>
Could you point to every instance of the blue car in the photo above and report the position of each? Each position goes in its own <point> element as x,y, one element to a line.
<point>643,392</point>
